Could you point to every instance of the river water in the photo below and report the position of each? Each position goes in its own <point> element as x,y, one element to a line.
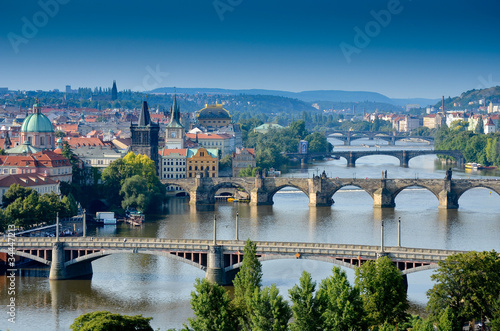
<point>160,287</point>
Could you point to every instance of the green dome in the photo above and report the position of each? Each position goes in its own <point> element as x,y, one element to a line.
<point>37,123</point>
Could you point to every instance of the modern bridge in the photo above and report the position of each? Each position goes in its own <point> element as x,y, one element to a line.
<point>71,257</point>
<point>320,190</point>
<point>390,136</point>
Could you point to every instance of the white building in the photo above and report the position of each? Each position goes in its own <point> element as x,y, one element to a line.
<point>223,142</point>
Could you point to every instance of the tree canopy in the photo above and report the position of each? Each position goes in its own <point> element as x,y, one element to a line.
<point>107,321</point>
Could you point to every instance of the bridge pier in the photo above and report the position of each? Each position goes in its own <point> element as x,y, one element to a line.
<point>383,198</point>
<point>351,160</point>
<point>215,265</point>
<point>404,160</point>
<point>318,193</point>
<point>59,270</point>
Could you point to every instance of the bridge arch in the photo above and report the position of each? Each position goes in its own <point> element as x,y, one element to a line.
<point>476,186</point>
<point>106,252</point>
<point>228,184</point>
<point>342,185</point>
<point>167,183</point>
<point>276,189</point>
<point>27,255</point>
<point>413,185</point>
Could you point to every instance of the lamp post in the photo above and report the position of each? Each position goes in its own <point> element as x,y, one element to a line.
<point>215,230</point>
<point>382,237</point>
<point>399,232</point>
<point>237,226</point>
<point>84,224</point>
<point>57,226</point>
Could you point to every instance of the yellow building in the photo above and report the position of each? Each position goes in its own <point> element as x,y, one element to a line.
<point>202,161</point>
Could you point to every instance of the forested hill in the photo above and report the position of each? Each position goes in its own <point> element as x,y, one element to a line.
<point>491,94</point>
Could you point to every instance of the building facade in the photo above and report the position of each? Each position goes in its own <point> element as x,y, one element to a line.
<point>213,116</point>
<point>223,142</point>
<point>242,159</point>
<point>202,161</point>
<point>174,132</point>
<point>37,130</point>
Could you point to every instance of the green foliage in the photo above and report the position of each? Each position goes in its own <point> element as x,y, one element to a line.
<point>247,280</point>
<point>107,321</point>
<point>479,126</point>
<point>340,305</point>
<point>298,129</point>
<point>318,143</point>
<point>226,162</point>
<point>249,171</point>
<point>467,283</point>
<point>211,307</point>
<point>305,308</point>
<point>26,207</point>
<point>448,321</point>
<point>15,191</point>
<point>145,192</point>
<point>383,292</point>
<point>270,312</point>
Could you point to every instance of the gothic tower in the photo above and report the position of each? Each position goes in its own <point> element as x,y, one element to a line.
<point>174,132</point>
<point>145,135</point>
<point>114,91</point>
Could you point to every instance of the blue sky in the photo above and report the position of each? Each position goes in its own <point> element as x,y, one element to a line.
<point>417,48</point>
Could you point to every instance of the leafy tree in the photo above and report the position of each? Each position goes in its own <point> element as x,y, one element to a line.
<point>107,321</point>
<point>135,193</point>
<point>467,283</point>
<point>383,291</point>
<point>247,280</point>
<point>226,162</point>
<point>340,305</point>
<point>304,305</point>
<point>115,175</point>
<point>15,191</point>
<point>270,311</point>
<point>318,143</point>
<point>211,307</point>
<point>249,171</point>
<point>298,129</point>
<point>448,321</point>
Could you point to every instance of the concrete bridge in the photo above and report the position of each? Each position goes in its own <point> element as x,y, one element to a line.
<point>71,257</point>
<point>390,136</point>
<point>320,190</point>
<point>403,156</point>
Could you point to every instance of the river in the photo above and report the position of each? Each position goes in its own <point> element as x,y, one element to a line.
<point>160,287</point>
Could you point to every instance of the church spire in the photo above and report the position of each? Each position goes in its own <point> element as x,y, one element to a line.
<point>144,119</point>
<point>175,114</point>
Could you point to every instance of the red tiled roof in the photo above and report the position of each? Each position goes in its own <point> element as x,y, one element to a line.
<point>25,180</point>
<point>168,151</point>
<point>208,136</point>
<point>83,141</point>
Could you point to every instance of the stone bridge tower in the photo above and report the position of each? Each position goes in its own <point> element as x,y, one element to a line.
<point>145,135</point>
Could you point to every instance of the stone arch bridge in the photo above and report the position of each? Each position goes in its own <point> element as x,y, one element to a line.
<point>320,190</point>
<point>404,156</point>
<point>391,137</point>
<point>71,257</point>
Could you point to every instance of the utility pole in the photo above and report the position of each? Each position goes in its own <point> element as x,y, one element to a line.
<point>237,226</point>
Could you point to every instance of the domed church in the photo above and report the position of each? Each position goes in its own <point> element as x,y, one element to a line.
<point>37,130</point>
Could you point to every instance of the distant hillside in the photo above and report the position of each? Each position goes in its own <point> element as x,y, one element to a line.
<point>491,94</point>
<point>308,96</point>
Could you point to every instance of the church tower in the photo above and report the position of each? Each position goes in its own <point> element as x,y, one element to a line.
<point>114,92</point>
<point>145,135</point>
<point>175,134</point>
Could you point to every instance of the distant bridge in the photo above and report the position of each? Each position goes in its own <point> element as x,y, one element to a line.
<point>390,136</point>
<point>71,257</point>
<point>320,190</point>
<point>403,156</point>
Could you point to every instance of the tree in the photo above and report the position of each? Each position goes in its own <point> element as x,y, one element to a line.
<point>318,143</point>
<point>340,305</point>
<point>304,305</point>
<point>135,193</point>
<point>383,292</point>
<point>270,311</point>
<point>211,307</point>
<point>107,321</point>
<point>115,175</point>
<point>226,162</point>
<point>247,280</point>
<point>15,191</point>
<point>448,321</point>
<point>479,126</point>
<point>298,129</point>
<point>467,283</point>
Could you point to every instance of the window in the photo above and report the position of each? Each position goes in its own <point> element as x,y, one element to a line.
<point>213,168</point>
<point>190,168</point>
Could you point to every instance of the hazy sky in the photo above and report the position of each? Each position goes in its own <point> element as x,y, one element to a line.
<point>419,48</point>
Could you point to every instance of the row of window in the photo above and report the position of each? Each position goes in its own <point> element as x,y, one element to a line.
<point>177,176</point>
<point>172,169</point>
<point>209,175</point>
<point>172,162</point>
<point>201,168</point>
